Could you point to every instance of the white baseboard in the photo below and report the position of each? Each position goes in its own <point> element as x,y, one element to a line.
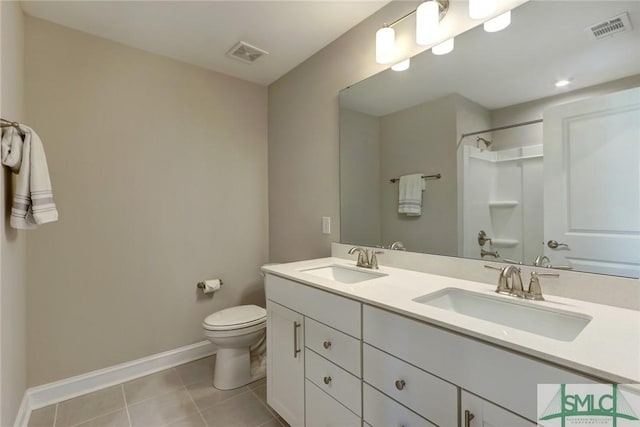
<point>47,394</point>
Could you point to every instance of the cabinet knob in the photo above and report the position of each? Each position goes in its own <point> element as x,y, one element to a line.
<point>327,380</point>
<point>400,384</point>
<point>326,344</point>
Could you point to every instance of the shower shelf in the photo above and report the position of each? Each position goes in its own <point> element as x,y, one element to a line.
<point>505,243</point>
<point>503,204</point>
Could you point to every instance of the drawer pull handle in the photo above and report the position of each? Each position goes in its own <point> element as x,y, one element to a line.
<point>400,384</point>
<point>326,344</point>
<point>296,350</point>
<point>468,416</point>
<point>327,380</point>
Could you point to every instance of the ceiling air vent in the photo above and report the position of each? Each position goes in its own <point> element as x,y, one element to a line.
<point>246,53</point>
<point>615,25</point>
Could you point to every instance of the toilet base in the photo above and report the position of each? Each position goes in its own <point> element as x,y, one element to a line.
<point>236,369</point>
<point>235,372</point>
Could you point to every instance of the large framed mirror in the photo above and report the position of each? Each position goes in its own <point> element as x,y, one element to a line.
<point>515,165</point>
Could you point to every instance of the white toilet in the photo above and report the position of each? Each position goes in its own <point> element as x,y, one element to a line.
<point>235,332</point>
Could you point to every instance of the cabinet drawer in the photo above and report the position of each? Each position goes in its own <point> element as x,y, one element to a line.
<point>324,411</point>
<point>334,380</point>
<point>382,411</point>
<point>334,345</point>
<point>333,310</point>
<point>504,377</point>
<point>429,396</point>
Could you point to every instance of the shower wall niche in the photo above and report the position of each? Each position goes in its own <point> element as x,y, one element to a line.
<point>503,196</point>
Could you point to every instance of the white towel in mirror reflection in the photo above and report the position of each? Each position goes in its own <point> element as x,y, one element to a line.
<point>410,194</point>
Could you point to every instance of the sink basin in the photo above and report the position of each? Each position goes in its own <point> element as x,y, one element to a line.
<point>517,314</point>
<point>343,274</point>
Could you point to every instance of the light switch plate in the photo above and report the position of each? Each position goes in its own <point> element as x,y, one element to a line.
<point>326,225</point>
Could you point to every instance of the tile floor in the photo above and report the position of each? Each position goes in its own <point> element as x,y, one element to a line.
<point>178,397</point>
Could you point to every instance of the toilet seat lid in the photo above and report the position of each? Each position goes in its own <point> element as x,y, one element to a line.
<point>241,316</point>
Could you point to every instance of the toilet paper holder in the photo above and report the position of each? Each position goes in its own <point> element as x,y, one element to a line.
<point>203,286</point>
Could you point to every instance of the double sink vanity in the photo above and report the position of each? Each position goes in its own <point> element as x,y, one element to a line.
<point>350,346</point>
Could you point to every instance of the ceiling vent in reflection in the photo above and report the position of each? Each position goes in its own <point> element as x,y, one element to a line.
<point>616,25</point>
<point>246,53</point>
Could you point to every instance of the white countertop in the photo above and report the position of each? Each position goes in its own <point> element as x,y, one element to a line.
<point>607,348</point>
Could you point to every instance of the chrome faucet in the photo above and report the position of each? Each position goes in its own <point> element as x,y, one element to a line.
<point>540,261</point>
<point>511,272</point>
<point>363,257</point>
<point>397,246</point>
<point>510,283</point>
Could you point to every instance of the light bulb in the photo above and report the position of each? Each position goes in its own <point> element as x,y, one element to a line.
<point>498,23</point>
<point>402,65</point>
<point>385,45</point>
<point>479,9</point>
<point>427,22</point>
<point>563,82</point>
<point>443,48</point>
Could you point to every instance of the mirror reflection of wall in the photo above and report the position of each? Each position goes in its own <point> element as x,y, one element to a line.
<point>491,181</point>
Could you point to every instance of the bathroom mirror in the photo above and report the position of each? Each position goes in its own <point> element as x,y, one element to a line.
<point>556,183</point>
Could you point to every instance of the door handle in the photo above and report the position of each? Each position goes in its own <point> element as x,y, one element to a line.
<point>468,416</point>
<point>553,244</point>
<point>296,350</point>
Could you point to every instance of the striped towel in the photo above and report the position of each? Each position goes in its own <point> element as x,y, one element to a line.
<point>410,194</point>
<point>33,200</point>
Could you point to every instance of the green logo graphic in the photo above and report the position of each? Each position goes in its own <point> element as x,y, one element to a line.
<point>564,405</point>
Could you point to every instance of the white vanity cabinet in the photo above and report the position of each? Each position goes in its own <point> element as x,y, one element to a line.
<point>507,379</point>
<point>313,355</point>
<point>285,367</point>
<point>336,362</point>
<point>477,412</point>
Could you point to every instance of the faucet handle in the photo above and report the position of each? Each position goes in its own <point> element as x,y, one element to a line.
<point>373,261</point>
<point>535,291</point>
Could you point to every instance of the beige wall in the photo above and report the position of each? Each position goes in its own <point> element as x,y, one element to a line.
<point>159,171</point>
<point>303,128</point>
<point>421,139</point>
<point>360,178</point>
<point>13,321</point>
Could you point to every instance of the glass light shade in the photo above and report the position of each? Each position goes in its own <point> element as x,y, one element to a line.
<point>427,22</point>
<point>479,9</point>
<point>402,65</point>
<point>443,48</point>
<point>498,23</point>
<point>385,45</point>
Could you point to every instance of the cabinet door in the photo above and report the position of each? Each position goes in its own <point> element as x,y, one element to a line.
<point>285,363</point>
<point>477,412</point>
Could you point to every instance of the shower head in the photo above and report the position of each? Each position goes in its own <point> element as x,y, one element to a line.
<point>486,143</point>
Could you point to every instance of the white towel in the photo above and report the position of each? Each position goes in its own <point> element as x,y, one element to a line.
<point>11,149</point>
<point>410,194</point>
<point>33,200</point>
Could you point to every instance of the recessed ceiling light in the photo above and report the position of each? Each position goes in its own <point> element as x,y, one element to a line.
<point>402,65</point>
<point>563,83</point>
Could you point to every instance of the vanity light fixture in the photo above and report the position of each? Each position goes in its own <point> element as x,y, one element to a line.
<point>479,9</point>
<point>385,45</point>
<point>402,65</point>
<point>443,48</point>
<point>428,17</point>
<point>427,22</point>
<point>498,23</point>
<point>563,82</point>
